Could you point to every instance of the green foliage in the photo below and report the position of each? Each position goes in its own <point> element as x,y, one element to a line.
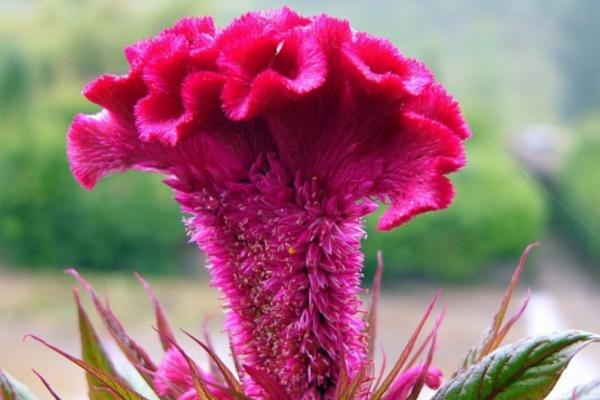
<point>46,219</point>
<point>496,210</point>
<point>578,56</point>
<point>579,190</point>
<point>51,48</point>
<point>93,353</point>
<point>15,81</point>
<point>525,370</point>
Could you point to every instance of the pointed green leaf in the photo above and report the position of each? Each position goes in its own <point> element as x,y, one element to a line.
<point>525,370</point>
<point>11,389</point>
<point>93,353</point>
<point>589,391</point>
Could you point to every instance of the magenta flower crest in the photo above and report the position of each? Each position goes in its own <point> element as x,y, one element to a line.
<point>278,134</point>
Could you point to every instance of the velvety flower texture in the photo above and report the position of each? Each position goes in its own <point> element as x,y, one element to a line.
<point>278,134</point>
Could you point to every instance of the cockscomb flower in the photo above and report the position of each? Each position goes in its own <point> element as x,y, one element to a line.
<point>278,134</point>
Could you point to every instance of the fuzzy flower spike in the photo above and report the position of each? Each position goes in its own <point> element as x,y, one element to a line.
<point>278,134</point>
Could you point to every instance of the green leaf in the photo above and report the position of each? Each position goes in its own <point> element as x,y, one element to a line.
<point>525,370</point>
<point>589,391</point>
<point>11,389</point>
<point>93,353</point>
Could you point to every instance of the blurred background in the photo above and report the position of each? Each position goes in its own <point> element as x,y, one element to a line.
<point>527,74</point>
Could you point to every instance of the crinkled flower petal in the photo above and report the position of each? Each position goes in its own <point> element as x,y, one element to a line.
<point>437,104</point>
<point>259,23</point>
<point>263,72</point>
<point>117,94</point>
<point>380,68</point>
<point>161,115</point>
<point>102,144</point>
<point>164,63</point>
<point>198,33</point>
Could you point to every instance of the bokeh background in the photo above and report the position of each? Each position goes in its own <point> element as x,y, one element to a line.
<point>527,74</point>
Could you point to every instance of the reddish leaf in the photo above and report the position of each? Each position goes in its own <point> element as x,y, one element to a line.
<point>511,322</point>
<point>47,385</point>
<point>202,390</point>
<point>589,391</point>
<point>115,384</point>
<point>381,370</point>
<point>496,332</point>
<point>380,391</point>
<point>164,329</point>
<point>416,390</point>
<point>134,353</point>
<point>202,386</point>
<point>272,388</point>
<point>347,388</point>
<point>357,383</point>
<point>213,367</point>
<point>372,315</point>
<point>230,379</point>
<point>236,360</point>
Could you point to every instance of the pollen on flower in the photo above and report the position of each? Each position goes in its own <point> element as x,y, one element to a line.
<point>278,134</point>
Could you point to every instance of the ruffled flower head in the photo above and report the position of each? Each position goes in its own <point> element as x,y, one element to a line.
<point>278,134</point>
